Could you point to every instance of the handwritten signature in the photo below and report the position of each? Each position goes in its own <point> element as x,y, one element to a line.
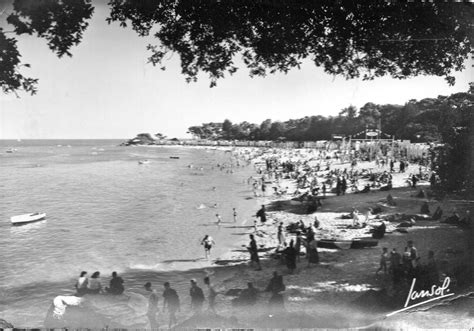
<point>435,293</point>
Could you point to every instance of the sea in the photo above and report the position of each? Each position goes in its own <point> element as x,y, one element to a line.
<point>107,212</point>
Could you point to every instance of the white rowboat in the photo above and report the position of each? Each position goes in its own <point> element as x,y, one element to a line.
<point>27,218</point>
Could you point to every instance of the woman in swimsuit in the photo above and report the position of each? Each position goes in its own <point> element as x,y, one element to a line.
<point>207,241</point>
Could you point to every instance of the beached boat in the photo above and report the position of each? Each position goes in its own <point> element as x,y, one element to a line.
<point>143,162</point>
<point>355,243</point>
<point>334,243</point>
<point>27,218</point>
<point>358,243</point>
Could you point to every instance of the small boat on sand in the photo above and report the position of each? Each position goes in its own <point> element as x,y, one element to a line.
<point>355,243</point>
<point>27,218</point>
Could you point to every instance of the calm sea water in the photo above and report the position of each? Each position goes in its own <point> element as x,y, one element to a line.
<point>106,212</point>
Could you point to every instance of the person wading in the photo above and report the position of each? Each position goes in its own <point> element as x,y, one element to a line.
<point>197,297</point>
<point>152,306</point>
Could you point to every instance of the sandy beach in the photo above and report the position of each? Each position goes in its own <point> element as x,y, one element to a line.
<point>247,165</point>
<point>343,290</point>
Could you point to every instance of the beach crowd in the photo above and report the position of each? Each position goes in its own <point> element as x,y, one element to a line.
<point>315,178</point>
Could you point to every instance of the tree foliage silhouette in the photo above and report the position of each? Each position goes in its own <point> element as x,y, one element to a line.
<point>349,38</point>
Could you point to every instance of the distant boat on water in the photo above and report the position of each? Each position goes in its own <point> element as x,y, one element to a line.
<point>11,150</point>
<point>144,162</point>
<point>27,218</point>
<point>174,157</point>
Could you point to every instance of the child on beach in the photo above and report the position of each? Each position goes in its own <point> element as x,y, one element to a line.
<point>235,215</point>
<point>367,216</point>
<point>355,217</point>
<point>281,236</point>
<point>413,254</point>
<point>406,259</point>
<point>383,261</point>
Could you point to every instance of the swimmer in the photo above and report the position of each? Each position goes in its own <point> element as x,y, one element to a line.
<point>219,220</point>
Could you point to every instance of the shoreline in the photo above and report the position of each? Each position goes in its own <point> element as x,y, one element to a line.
<point>425,233</point>
<point>342,277</point>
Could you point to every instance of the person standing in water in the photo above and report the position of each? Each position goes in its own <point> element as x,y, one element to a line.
<point>171,302</point>
<point>94,286</point>
<point>81,285</point>
<point>116,285</point>
<point>207,241</point>
<point>197,297</point>
<point>219,220</point>
<point>152,306</point>
<point>212,295</point>
<point>234,214</point>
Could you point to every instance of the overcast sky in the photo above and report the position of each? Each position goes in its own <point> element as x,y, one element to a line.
<point>107,90</point>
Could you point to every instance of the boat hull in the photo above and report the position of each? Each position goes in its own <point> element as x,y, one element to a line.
<point>356,243</point>
<point>27,218</point>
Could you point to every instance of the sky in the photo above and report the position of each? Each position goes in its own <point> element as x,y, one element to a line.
<point>107,90</point>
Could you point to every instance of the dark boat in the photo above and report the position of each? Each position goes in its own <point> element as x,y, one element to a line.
<point>174,157</point>
<point>355,243</point>
<point>358,243</point>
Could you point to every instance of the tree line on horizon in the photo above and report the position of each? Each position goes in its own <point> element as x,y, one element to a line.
<point>446,120</point>
<point>427,120</point>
